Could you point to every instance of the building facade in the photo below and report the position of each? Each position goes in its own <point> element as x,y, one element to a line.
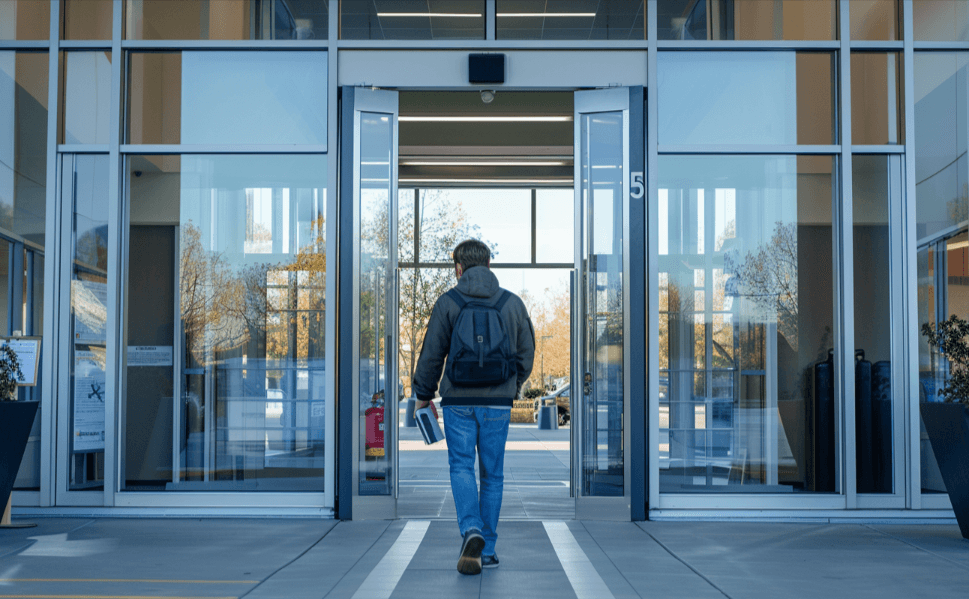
<point>206,219</point>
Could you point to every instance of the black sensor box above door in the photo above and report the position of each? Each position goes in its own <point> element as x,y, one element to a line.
<point>486,68</point>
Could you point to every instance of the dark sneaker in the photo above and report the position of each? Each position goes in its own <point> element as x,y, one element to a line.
<point>469,562</point>
<point>489,561</point>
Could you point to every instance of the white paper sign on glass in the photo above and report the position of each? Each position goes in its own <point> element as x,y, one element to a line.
<point>28,353</point>
<point>89,401</point>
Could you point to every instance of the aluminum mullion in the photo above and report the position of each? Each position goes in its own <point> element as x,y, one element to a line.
<point>916,46</point>
<point>28,44</point>
<point>877,149</point>
<point>261,45</point>
<point>909,308</point>
<point>85,45</point>
<point>491,18</point>
<point>114,377</point>
<point>83,148</point>
<point>491,45</point>
<point>748,149</point>
<point>744,45</point>
<point>330,340</point>
<point>48,453</point>
<point>652,262</point>
<point>844,300</point>
<point>879,45</point>
<point>220,149</point>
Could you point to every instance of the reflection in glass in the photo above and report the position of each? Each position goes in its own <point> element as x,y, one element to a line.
<point>747,398</point>
<point>875,20</point>
<point>86,103</point>
<point>941,21</point>
<point>87,19</point>
<point>23,162</point>
<point>228,98</point>
<point>24,20</point>
<point>876,100</point>
<point>235,245</point>
<point>379,388</point>
<point>220,20</point>
<point>875,181</point>
<point>747,20</point>
<point>602,457</point>
<point>574,20</point>
<point>941,163</point>
<point>746,98</point>
<point>85,189</point>
<point>412,20</point>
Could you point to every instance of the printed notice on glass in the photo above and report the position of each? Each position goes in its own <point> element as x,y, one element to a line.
<point>149,355</point>
<point>89,400</point>
<point>28,352</point>
<point>89,302</point>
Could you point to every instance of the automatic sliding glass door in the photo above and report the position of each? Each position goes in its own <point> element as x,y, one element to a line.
<point>375,387</point>
<point>603,184</point>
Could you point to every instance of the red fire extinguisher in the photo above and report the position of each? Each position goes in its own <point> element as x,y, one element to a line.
<point>375,427</point>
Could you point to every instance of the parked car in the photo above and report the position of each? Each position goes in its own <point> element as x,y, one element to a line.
<point>561,399</point>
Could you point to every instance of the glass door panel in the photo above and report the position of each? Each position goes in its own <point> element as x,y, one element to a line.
<point>376,388</point>
<point>601,164</point>
<point>84,191</point>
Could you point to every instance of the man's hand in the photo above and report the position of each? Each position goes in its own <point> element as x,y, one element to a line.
<point>420,405</point>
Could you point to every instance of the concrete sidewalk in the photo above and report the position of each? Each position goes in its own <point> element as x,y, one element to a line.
<point>293,559</point>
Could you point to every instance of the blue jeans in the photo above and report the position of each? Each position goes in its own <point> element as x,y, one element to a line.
<point>487,429</point>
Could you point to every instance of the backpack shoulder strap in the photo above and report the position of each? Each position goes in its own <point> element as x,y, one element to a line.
<point>456,297</point>
<point>505,296</point>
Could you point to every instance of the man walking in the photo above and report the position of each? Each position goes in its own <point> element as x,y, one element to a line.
<point>482,339</point>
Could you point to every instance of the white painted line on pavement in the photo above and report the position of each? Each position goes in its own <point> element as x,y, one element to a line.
<point>586,582</point>
<point>382,581</point>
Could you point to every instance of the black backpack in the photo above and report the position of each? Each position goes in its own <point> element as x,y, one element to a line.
<point>480,354</point>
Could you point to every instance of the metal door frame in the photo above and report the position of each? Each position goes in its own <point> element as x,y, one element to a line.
<point>360,507</point>
<point>631,505</point>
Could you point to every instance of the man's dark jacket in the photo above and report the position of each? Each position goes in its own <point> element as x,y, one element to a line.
<point>480,284</point>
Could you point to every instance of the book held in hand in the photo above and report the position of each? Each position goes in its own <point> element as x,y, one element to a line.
<point>430,429</point>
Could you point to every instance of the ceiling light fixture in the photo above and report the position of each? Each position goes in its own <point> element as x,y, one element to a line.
<point>546,14</point>
<point>456,15</point>
<point>491,181</point>
<point>487,96</point>
<point>485,119</point>
<point>483,163</point>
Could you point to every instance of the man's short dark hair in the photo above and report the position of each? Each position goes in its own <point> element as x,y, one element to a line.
<point>470,253</point>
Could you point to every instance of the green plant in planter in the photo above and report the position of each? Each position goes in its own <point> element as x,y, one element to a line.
<point>951,338</point>
<point>9,373</point>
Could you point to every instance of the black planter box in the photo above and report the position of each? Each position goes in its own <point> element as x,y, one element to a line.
<point>948,427</point>
<point>16,420</point>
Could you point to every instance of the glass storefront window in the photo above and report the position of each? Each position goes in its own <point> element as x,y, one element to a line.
<point>24,20</point>
<point>941,163</point>
<point>87,19</point>
<point>221,20</point>
<point>875,19</point>
<point>555,225</point>
<point>85,98</point>
<point>746,98</point>
<point>573,20</point>
<point>23,143</point>
<point>412,20</point>
<point>876,180</point>
<point>747,20</point>
<point>227,98</point>
<point>940,20</point>
<point>876,100</point>
<point>747,397</point>
<point>85,189</point>
<point>225,323</point>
